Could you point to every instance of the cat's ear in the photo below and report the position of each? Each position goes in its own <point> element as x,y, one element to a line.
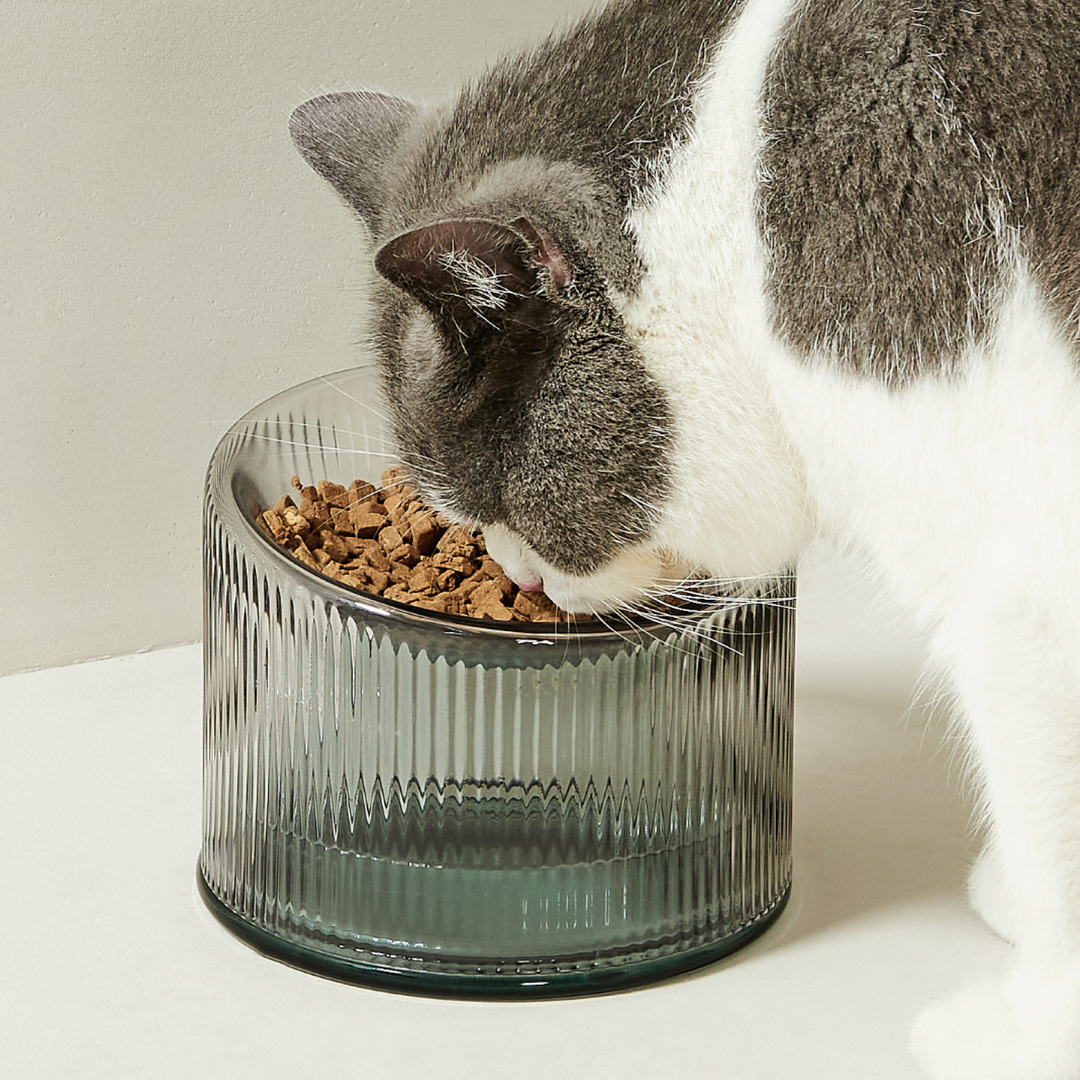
<point>348,138</point>
<point>513,271</point>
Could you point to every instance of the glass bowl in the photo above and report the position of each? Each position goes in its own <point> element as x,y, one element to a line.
<point>437,804</point>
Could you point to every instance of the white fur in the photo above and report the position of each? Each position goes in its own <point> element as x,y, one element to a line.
<point>964,490</point>
<point>483,288</point>
<point>508,550</point>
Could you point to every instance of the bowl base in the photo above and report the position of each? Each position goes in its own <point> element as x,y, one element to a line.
<point>351,963</point>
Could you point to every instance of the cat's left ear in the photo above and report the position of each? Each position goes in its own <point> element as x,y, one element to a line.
<point>513,271</point>
<point>349,139</point>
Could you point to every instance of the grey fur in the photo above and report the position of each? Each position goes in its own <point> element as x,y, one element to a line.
<point>902,140</point>
<point>549,425</point>
<point>903,145</point>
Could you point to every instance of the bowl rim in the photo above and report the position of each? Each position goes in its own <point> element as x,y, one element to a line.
<point>593,629</point>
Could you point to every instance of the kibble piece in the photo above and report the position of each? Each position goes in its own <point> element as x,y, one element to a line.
<point>535,607</point>
<point>399,591</point>
<point>440,602</point>
<point>424,579</point>
<point>390,538</point>
<point>374,555</point>
<point>377,579</point>
<point>342,521</point>
<point>396,506</point>
<point>333,494</point>
<point>367,526</point>
<point>493,610</point>
<point>406,554</point>
<point>311,506</point>
<point>464,591</point>
<point>446,580</point>
<point>455,537</point>
<point>458,563</point>
<point>526,606</point>
<point>296,521</point>
<point>360,491</point>
<point>485,593</point>
<point>400,573</point>
<point>276,526</point>
<point>424,534</point>
<point>303,553</point>
<point>333,545</point>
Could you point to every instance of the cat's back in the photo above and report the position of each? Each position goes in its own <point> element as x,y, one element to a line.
<point>902,158</point>
<point>911,152</point>
<point>901,146</point>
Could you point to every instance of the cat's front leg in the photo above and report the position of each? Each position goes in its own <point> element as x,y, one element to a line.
<point>1019,689</point>
<point>991,896</point>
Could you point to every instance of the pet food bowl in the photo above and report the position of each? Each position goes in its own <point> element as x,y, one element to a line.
<point>442,805</point>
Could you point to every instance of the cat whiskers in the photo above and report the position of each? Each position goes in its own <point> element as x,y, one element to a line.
<point>650,510</point>
<point>367,406</point>
<point>684,605</point>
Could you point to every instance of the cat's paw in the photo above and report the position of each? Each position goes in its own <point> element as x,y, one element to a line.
<point>991,898</point>
<point>1024,1027</point>
<point>967,1037</point>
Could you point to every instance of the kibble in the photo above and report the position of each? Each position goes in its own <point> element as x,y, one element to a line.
<point>386,541</point>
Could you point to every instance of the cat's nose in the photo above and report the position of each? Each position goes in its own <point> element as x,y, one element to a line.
<point>528,582</point>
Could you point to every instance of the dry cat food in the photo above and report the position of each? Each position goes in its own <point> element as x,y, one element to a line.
<point>386,541</point>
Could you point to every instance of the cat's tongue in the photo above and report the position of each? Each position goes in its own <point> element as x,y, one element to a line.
<point>528,583</point>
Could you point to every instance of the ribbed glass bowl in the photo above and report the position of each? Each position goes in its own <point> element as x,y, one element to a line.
<point>442,805</point>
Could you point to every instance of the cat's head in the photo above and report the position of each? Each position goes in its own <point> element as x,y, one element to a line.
<point>519,401</point>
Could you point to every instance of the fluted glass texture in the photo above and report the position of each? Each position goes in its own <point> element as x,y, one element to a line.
<point>434,803</point>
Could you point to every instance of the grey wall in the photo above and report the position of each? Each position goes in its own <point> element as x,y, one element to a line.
<point>169,262</point>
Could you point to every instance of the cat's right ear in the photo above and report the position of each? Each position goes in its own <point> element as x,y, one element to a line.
<point>348,139</point>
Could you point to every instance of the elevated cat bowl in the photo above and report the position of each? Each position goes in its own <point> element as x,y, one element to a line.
<point>436,804</point>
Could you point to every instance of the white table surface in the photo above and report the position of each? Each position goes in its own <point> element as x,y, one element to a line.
<point>112,967</point>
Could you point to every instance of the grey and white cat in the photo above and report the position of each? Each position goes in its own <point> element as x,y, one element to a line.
<point>700,279</point>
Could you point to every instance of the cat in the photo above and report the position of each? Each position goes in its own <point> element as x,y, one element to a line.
<point>696,281</point>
